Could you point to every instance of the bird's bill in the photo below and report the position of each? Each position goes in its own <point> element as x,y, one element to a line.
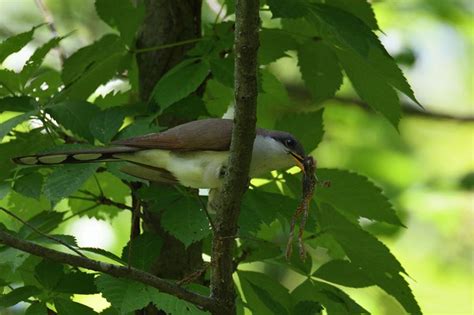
<point>298,160</point>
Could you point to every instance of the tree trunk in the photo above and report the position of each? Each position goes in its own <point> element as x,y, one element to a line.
<point>167,21</point>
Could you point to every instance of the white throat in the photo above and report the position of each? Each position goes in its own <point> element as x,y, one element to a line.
<point>268,155</point>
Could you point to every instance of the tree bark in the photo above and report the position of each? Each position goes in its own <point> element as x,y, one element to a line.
<point>167,21</point>
<point>227,201</point>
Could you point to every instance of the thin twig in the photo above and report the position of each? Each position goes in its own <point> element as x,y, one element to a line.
<point>206,211</point>
<point>165,46</point>
<point>41,233</point>
<point>48,17</point>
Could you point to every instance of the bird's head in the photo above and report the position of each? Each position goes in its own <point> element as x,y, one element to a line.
<point>292,147</point>
<point>277,150</point>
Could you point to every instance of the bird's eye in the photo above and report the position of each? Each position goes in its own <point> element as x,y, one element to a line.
<point>289,143</point>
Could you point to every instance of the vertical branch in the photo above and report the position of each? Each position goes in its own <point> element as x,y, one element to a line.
<point>227,200</point>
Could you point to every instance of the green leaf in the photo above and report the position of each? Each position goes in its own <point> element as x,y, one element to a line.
<point>145,249</point>
<point>29,185</point>
<point>218,98</point>
<point>48,273</point>
<point>264,295</point>
<point>68,307</point>
<point>77,282</point>
<point>7,126</point>
<point>113,12</point>
<point>35,61</point>
<point>273,99</point>
<point>9,82</point>
<point>287,8</point>
<point>37,309</point>
<point>127,296</point>
<point>18,295</point>
<point>140,126</point>
<point>97,74</point>
<point>355,195</point>
<point>105,125</point>
<point>44,86</point>
<point>18,104</point>
<point>16,43</point>
<point>344,273</point>
<point>90,56</point>
<point>273,45</point>
<point>223,70</point>
<point>67,179</point>
<point>45,222</point>
<point>370,255</point>
<point>359,8</point>
<point>349,35</point>
<point>185,220</point>
<point>320,69</point>
<point>188,75</point>
<point>4,189</point>
<point>75,116</point>
<point>124,295</point>
<point>306,127</point>
<point>334,300</point>
<point>371,87</point>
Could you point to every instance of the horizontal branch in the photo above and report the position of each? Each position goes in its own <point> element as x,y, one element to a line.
<point>409,110</point>
<point>164,286</point>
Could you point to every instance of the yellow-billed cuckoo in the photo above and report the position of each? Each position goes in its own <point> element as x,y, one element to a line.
<point>194,154</point>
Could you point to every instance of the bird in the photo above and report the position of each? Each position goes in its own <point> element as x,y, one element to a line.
<point>194,154</point>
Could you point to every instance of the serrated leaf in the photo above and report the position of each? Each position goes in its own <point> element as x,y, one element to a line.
<point>18,295</point>
<point>45,222</point>
<point>68,307</point>
<point>35,61</point>
<point>349,35</point>
<point>76,282</point>
<point>44,86</point>
<point>334,300</point>
<point>18,104</point>
<point>264,295</point>
<point>370,255</point>
<point>37,309</point>
<point>306,127</point>
<point>113,12</point>
<point>223,70</point>
<point>105,125</point>
<point>320,69</point>
<point>48,273</point>
<point>359,8</point>
<point>186,221</point>
<point>145,249</point>
<point>90,56</point>
<point>29,185</point>
<point>344,273</point>
<point>7,126</point>
<point>188,75</point>
<point>75,116</point>
<point>127,296</point>
<point>67,179</point>
<point>355,195</point>
<point>287,8</point>
<point>16,43</point>
<point>372,87</point>
<point>124,295</point>
<point>273,45</point>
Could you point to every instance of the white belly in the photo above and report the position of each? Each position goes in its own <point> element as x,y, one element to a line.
<point>192,169</point>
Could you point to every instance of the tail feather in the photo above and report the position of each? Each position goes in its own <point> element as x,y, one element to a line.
<point>79,156</point>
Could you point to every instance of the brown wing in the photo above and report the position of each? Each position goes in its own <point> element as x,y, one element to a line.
<point>212,134</point>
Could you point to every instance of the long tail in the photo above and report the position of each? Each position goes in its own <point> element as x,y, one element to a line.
<point>79,156</point>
